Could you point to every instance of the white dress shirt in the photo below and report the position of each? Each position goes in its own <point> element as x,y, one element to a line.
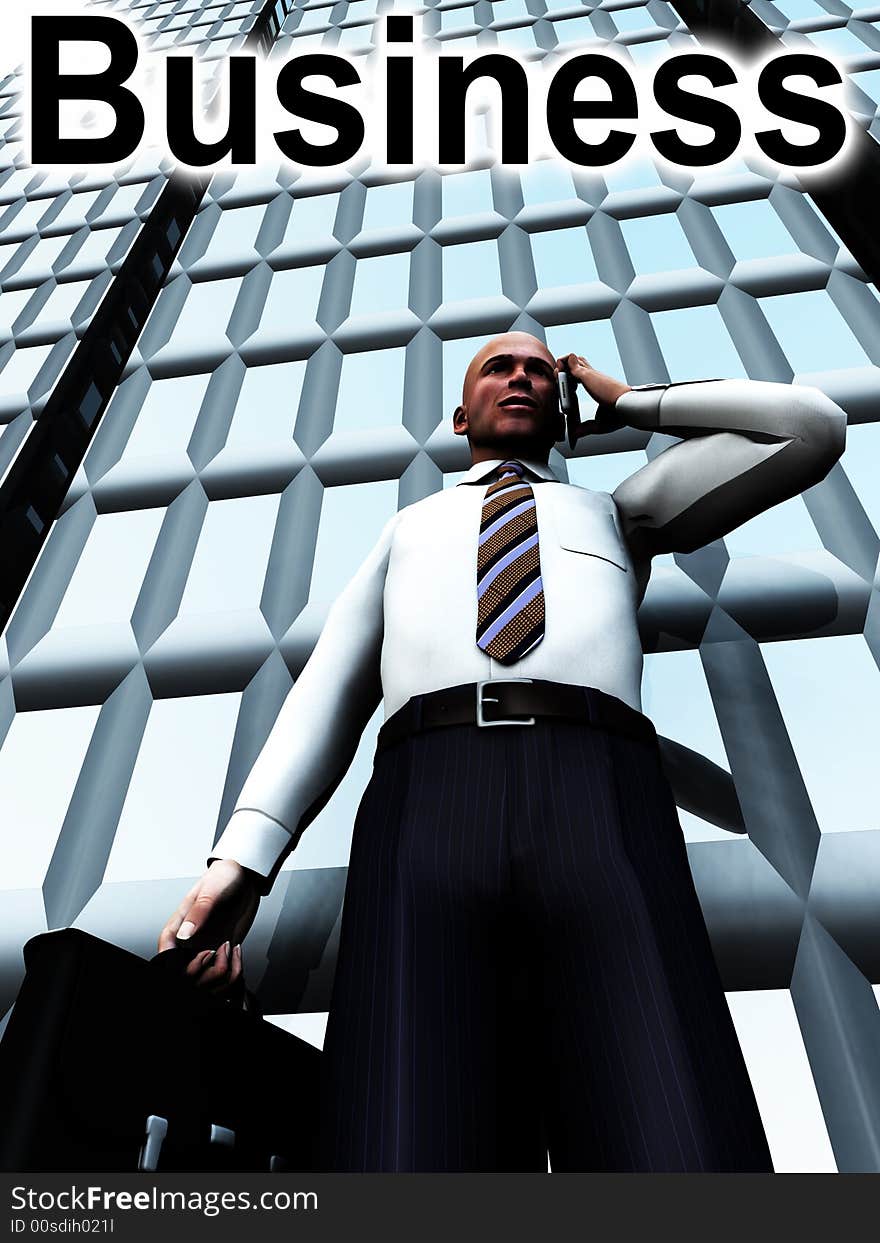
<point>406,623</point>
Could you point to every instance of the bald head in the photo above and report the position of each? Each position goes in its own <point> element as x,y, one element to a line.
<point>509,400</point>
<point>502,344</point>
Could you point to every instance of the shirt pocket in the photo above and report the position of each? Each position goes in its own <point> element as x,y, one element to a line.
<point>593,535</point>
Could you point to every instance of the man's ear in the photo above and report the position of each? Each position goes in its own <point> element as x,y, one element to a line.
<point>460,421</point>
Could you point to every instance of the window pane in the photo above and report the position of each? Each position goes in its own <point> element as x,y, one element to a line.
<point>456,356</point>
<point>471,271</point>
<point>828,691</point>
<point>522,37</point>
<point>167,824</point>
<point>861,462</point>
<point>381,284</point>
<point>467,194</point>
<point>310,222</point>
<point>797,10</point>
<point>111,568</point>
<point>547,182</point>
<point>205,315</point>
<point>753,230</point>
<point>92,254</point>
<point>267,404</point>
<point>388,205</point>
<point>812,332</point>
<point>595,340</point>
<point>18,379</point>
<point>352,518</point>
<point>236,233</point>
<point>676,698</point>
<point>632,174</point>
<point>657,244</point>
<point>507,10</point>
<point>841,42</point>
<point>39,765</point>
<point>12,304</point>
<point>633,19</point>
<point>458,19</point>
<point>292,301</point>
<point>869,82</point>
<point>370,390</point>
<point>574,30</point>
<point>606,471</point>
<point>696,344</point>
<point>230,560</point>
<point>784,528</point>
<point>563,257</point>
<point>770,1038</point>
<point>167,417</point>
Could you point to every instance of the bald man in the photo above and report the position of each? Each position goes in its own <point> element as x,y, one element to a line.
<point>523,965</point>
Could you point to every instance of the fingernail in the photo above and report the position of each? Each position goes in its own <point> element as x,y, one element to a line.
<point>187,928</point>
<point>237,950</point>
<point>227,948</point>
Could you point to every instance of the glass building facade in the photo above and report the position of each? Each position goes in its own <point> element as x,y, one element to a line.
<point>292,386</point>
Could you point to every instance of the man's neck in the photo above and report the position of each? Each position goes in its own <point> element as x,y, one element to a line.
<point>504,453</point>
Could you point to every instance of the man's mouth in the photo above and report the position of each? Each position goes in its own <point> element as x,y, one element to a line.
<point>527,402</point>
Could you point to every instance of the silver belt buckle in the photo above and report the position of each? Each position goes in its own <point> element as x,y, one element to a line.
<point>489,699</point>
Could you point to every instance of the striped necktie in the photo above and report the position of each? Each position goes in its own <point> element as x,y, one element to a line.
<point>510,592</point>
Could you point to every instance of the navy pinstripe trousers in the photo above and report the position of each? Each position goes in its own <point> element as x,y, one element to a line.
<point>524,966</point>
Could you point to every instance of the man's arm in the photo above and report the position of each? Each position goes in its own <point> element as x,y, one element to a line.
<point>304,758</point>
<point>746,445</point>
<point>316,734</point>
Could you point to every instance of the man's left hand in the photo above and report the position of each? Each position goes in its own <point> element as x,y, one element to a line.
<point>604,389</point>
<point>218,971</point>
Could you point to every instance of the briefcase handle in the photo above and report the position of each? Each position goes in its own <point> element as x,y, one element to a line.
<point>173,962</point>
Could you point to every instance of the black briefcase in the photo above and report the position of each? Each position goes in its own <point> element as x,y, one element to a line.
<point>112,1062</point>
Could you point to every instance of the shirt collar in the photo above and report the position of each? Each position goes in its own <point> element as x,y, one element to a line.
<point>482,470</point>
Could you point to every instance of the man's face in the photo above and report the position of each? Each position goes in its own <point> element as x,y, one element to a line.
<point>510,401</point>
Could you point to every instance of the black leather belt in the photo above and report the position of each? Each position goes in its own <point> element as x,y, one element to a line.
<point>514,701</point>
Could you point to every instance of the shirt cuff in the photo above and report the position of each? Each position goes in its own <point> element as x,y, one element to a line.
<point>254,840</point>
<point>640,407</point>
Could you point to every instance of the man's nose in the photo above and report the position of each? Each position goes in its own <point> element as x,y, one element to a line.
<point>521,376</point>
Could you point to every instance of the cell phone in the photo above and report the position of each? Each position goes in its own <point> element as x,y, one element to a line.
<point>570,407</point>
<point>568,402</point>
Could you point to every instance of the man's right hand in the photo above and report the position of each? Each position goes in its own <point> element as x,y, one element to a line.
<point>220,907</point>
<point>604,389</point>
